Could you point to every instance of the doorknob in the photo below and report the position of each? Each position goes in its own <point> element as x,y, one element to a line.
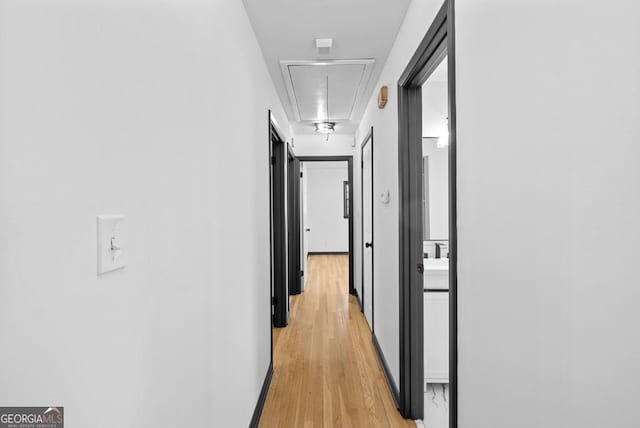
<point>307,230</point>
<point>368,244</point>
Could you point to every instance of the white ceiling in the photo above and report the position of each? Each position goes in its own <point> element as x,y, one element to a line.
<point>361,29</point>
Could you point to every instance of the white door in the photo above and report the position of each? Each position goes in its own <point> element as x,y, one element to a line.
<point>367,232</point>
<point>304,236</point>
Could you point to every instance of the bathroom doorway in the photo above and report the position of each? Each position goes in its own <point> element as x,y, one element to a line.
<point>428,245</point>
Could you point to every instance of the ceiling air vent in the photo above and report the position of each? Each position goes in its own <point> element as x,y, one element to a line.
<point>324,46</point>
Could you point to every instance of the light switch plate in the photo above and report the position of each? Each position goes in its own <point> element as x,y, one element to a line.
<point>110,249</point>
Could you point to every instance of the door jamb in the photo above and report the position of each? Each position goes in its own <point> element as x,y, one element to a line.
<point>438,42</point>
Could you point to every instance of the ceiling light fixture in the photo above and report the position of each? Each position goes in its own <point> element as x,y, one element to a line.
<point>325,127</point>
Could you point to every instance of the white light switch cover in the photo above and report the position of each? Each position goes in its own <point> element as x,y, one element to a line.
<point>110,250</point>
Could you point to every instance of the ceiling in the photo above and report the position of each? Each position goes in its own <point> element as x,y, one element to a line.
<point>363,34</point>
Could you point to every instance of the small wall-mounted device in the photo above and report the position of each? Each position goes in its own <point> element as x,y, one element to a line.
<point>383,97</point>
<point>324,46</point>
<point>110,253</point>
<point>385,197</point>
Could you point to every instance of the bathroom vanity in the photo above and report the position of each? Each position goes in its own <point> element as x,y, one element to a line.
<point>436,320</point>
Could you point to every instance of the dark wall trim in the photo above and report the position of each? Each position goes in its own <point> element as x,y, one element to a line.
<point>277,164</point>
<point>368,139</point>
<point>328,253</point>
<point>349,160</point>
<point>437,44</point>
<point>270,125</point>
<point>262,398</point>
<point>387,372</point>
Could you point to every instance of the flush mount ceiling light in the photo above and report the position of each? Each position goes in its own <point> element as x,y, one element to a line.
<point>325,127</point>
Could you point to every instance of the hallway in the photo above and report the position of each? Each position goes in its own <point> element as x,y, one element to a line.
<point>326,372</point>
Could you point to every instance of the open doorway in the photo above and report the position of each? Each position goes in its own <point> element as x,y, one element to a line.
<point>294,195</point>
<point>326,207</point>
<point>435,213</point>
<point>428,245</point>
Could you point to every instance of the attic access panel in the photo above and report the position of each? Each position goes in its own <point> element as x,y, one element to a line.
<point>306,83</point>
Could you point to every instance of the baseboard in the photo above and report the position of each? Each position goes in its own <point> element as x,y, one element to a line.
<point>255,420</point>
<point>357,296</point>
<point>328,253</point>
<point>387,372</point>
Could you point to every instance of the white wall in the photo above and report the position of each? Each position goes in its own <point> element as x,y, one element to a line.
<point>325,207</point>
<point>385,160</point>
<point>548,100</point>
<point>316,145</point>
<point>145,109</point>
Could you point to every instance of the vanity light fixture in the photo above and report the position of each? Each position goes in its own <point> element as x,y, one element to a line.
<point>443,140</point>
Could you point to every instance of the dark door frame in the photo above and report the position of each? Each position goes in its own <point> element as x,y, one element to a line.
<point>437,43</point>
<point>293,222</point>
<point>349,160</point>
<point>279,298</point>
<point>368,139</point>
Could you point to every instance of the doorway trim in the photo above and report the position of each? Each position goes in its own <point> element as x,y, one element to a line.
<point>438,42</point>
<point>349,160</point>
<point>277,210</point>
<point>367,139</point>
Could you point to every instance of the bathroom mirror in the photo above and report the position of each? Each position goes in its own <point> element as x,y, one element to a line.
<point>435,190</point>
<point>435,152</point>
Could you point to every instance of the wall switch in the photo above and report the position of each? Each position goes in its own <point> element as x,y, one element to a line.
<point>110,251</point>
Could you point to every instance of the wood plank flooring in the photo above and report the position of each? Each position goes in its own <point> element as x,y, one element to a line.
<point>326,373</point>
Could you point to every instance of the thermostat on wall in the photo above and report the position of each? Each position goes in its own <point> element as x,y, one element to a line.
<point>384,197</point>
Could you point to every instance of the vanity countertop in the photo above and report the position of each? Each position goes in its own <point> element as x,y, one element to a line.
<point>436,264</point>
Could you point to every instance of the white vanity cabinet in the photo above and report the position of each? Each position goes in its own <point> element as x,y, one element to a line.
<point>436,337</point>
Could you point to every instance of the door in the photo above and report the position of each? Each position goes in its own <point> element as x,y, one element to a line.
<point>367,229</point>
<point>303,228</point>
<point>293,223</point>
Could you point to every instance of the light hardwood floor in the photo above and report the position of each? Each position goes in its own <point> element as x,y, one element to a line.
<point>326,373</point>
